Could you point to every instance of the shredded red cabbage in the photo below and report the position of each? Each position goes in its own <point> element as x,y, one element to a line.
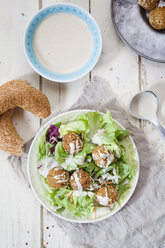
<point>52,149</point>
<point>39,166</point>
<point>53,136</point>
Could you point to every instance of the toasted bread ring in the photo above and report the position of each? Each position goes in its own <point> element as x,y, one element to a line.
<point>18,93</point>
<point>10,141</point>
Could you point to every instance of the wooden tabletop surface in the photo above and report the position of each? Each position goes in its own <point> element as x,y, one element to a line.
<point>23,221</point>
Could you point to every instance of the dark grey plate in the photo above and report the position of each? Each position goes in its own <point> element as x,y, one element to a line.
<point>132,25</point>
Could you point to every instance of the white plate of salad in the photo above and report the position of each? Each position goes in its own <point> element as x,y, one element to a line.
<point>83,166</point>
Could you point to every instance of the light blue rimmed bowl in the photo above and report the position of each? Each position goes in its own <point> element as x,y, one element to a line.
<point>39,17</point>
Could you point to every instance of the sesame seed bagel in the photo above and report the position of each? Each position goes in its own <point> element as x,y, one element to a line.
<point>10,141</point>
<point>18,93</point>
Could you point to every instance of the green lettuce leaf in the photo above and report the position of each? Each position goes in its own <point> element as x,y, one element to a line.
<point>101,138</point>
<point>115,148</point>
<point>47,188</point>
<point>105,170</point>
<point>85,124</point>
<point>132,174</point>
<point>88,158</point>
<point>110,126</point>
<point>79,127</point>
<point>43,148</point>
<point>82,205</point>
<point>108,123</point>
<point>94,122</point>
<point>61,199</point>
<point>122,188</point>
<point>123,170</point>
<point>87,149</point>
<point>60,154</point>
<point>121,134</point>
<point>90,167</point>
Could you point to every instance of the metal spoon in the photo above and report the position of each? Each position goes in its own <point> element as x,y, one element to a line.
<point>137,99</point>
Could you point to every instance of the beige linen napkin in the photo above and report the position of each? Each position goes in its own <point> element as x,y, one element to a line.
<point>141,222</point>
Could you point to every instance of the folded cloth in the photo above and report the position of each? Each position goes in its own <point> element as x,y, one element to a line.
<point>141,222</point>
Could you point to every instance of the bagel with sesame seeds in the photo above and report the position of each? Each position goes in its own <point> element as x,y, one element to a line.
<point>10,141</point>
<point>18,93</point>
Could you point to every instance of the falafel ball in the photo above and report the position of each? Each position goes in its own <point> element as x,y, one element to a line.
<point>149,4</point>
<point>58,178</point>
<point>80,180</point>
<point>102,157</point>
<point>157,18</point>
<point>72,143</point>
<point>106,195</point>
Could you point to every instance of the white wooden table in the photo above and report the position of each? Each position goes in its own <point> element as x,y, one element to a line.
<point>23,221</point>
